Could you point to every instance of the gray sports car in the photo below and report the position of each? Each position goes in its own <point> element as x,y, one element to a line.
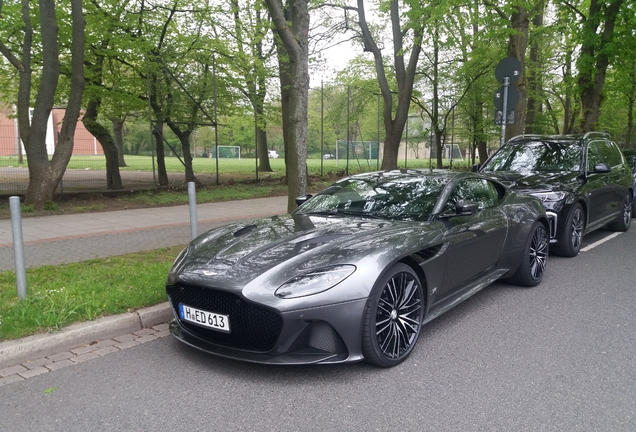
<point>356,270</point>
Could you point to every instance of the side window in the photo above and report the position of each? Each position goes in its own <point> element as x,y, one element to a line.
<point>594,154</point>
<point>616,156</point>
<point>479,191</point>
<point>605,152</point>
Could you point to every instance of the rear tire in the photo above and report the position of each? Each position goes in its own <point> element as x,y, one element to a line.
<point>570,235</point>
<point>393,317</point>
<point>625,218</point>
<point>535,258</point>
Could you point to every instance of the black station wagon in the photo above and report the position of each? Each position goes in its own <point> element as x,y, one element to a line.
<point>584,181</point>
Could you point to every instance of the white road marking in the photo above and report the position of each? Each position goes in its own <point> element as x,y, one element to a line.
<point>600,242</point>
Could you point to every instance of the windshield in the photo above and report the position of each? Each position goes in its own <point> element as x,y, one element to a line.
<point>382,197</point>
<point>536,156</point>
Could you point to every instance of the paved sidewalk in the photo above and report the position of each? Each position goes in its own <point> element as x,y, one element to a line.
<point>59,239</point>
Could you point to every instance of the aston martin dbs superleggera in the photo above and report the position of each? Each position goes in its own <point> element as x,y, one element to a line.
<point>356,270</point>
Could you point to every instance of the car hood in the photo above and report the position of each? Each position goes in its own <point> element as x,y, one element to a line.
<point>256,257</point>
<point>534,182</point>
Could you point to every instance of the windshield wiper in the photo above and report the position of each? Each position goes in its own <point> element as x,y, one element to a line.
<point>359,214</point>
<point>321,212</point>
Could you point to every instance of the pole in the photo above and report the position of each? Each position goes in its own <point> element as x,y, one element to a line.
<point>255,129</point>
<point>348,127</point>
<point>504,118</point>
<point>378,158</point>
<point>18,247</point>
<point>452,137</point>
<point>192,202</point>
<point>216,123</point>
<point>322,129</point>
<point>406,143</point>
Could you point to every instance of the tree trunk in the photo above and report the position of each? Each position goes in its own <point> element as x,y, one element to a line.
<point>517,44</point>
<point>118,132</point>
<point>44,176</point>
<point>630,143</point>
<point>184,139</point>
<point>594,59</point>
<point>294,34</point>
<point>405,77</point>
<point>263,155</point>
<point>534,77</point>
<point>162,174</point>
<point>113,177</point>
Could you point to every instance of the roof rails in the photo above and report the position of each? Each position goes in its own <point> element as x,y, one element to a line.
<point>539,136</point>
<point>594,134</point>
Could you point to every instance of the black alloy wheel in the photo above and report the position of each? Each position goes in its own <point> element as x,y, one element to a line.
<point>393,317</point>
<point>570,235</point>
<point>535,258</point>
<point>625,219</point>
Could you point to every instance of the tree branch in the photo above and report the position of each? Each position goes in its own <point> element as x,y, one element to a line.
<point>9,56</point>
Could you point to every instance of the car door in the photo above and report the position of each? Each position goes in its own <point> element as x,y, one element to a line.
<point>597,189</point>
<point>475,241</point>
<point>619,178</point>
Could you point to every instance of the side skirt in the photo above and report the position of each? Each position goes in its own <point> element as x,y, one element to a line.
<point>465,293</point>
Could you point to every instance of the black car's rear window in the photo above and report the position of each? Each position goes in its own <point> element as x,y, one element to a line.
<point>536,156</point>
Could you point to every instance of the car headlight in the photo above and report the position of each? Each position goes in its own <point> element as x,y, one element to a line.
<point>314,282</point>
<point>550,196</point>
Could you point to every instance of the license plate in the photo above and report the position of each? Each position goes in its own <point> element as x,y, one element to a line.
<point>204,318</point>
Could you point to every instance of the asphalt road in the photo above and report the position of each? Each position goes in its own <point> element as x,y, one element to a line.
<point>557,357</point>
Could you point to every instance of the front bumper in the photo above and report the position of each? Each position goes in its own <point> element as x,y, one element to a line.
<point>326,334</point>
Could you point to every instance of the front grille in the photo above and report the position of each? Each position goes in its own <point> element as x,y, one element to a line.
<point>252,327</point>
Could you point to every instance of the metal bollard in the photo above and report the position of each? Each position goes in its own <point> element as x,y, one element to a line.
<point>192,200</point>
<point>18,246</point>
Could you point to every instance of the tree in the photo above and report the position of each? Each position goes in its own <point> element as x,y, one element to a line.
<point>45,175</point>
<point>597,50</point>
<point>394,118</point>
<point>292,27</point>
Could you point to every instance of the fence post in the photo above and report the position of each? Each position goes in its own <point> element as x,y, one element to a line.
<point>192,200</point>
<point>18,246</point>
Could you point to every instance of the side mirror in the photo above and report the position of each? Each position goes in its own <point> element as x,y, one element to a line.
<point>602,168</point>
<point>466,207</point>
<point>302,199</point>
<point>475,168</point>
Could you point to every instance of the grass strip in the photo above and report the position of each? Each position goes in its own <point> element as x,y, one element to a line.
<point>62,295</point>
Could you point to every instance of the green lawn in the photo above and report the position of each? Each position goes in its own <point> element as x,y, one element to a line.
<point>235,166</point>
<point>58,296</point>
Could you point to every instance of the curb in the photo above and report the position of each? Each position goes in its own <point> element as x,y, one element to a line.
<point>41,345</point>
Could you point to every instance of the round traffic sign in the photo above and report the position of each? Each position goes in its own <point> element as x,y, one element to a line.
<point>508,67</point>
<point>513,98</point>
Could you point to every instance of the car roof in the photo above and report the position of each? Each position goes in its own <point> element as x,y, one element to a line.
<point>567,138</point>
<point>414,173</point>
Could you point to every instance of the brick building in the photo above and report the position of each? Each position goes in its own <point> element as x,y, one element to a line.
<point>84,144</point>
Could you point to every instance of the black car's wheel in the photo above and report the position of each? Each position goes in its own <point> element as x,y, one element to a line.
<point>393,317</point>
<point>571,233</point>
<point>535,258</point>
<point>622,223</point>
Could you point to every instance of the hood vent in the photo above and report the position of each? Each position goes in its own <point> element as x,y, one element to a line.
<point>245,230</point>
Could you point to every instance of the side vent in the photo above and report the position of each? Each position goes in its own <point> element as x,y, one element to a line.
<point>430,252</point>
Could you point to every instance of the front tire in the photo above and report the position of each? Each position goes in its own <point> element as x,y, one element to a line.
<point>625,218</point>
<point>393,317</point>
<point>535,258</point>
<point>571,233</point>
